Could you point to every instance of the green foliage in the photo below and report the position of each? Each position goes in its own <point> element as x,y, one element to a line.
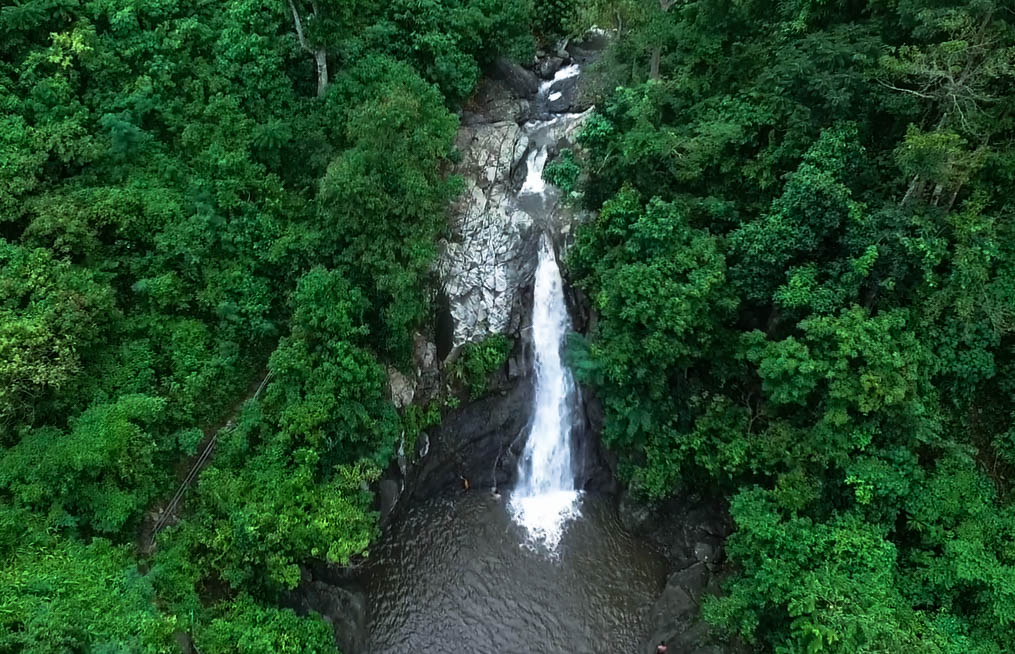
<point>63,596</point>
<point>400,137</point>
<point>253,526</point>
<point>834,582</point>
<point>477,361</point>
<point>660,288</point>
<point>551,17</point>
<point>99,476</point>
<point>247,628</point>
<point>802,263</point>
<point>180,207</point>
<point>52,316</point>
<point>328,392</point>
<point>563,173</point>
<point>418,418</point>
<point>449,41</point>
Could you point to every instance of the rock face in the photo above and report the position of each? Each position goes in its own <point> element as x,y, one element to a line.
<point>489,257</point>
<point>494,102</point>
<point>549,65</point>
<point>341,602</point>
<point>521,81</point>
<point>690,532</point>
<point>486,261</point>
<point>477,444</point>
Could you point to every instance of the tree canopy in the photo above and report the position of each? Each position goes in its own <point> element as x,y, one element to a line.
<point>802,259</point>
<point>192,194</point>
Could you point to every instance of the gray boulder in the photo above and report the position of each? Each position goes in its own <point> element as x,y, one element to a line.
<point>564,96</point>
<point>494,102</point>
<point>485,261</point>
<point>548,66</point>
<point>521,81</point>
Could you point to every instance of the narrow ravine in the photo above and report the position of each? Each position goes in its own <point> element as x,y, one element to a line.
<point>542,565</point>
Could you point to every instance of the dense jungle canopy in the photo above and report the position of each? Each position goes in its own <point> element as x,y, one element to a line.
<point>801,255</point>
<point>804,263</point>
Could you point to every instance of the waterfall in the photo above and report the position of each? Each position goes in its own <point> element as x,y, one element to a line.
<point>545,496</point>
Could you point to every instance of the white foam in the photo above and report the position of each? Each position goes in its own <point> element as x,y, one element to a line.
<point>567,71</point>
<point>545,516</point>
<point>534,172</point>
<point>564,73</point>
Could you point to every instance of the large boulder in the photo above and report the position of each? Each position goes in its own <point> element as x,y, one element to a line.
<point>548,66</point>
<point>563,97</point>
<point>494,102</point>
<point>521,81</point>
<point>477,443</point>
<point>690,531</point>
<point>339,602</point>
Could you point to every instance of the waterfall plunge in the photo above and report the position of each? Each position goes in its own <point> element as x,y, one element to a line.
<point>545,497</point>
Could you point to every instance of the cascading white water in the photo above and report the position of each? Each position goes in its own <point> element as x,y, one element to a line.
<point>545,497</point>
<point>535,163</point>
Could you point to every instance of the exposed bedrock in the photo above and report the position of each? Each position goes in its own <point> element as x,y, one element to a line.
<point>690,532</point>
<point>488,258</point>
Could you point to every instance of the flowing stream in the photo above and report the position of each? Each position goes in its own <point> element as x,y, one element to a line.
<point>548,569</point>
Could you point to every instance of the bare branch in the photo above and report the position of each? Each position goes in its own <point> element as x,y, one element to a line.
<point>299,28</point>
<point>897,88</point>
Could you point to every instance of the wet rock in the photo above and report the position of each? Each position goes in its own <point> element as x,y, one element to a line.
<point>401,388</point>
<point>564,96</point>
<point>424,351</point>
<point>675,615</point>
<point>523,83</point>
<point>474,443</point>
<point>494,102</point>
<point>388,491</point>
<point>690,531</point>
<point>704,552</point>
<point>548,66</point>
<point>515,367</point>
<point>343,606</point>
<point>590,47</point>
<point>634,515</point>
<point>490,253</point>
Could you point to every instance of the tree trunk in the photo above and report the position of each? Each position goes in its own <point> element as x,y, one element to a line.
<point>320,54</point>
<point>657,52</point>
<point>321,57</point>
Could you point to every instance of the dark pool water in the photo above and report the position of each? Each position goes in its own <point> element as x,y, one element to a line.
<point>456,576</point>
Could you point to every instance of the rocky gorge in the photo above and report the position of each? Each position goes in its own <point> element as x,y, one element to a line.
<point>520,117</point>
